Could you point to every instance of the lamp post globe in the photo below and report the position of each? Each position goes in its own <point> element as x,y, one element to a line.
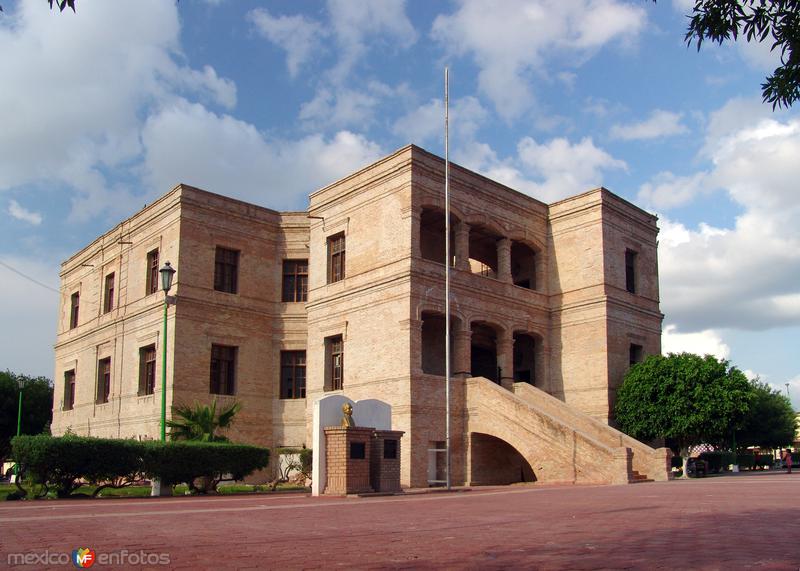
<point>166,271</point>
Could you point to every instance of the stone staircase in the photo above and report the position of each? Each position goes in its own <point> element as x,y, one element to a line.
<point>560,443</point>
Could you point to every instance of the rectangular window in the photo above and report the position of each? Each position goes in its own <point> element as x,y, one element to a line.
<point>635,354</point>
<point>293,374</point>
<point>226,270</point>
<point>108,293</point>
<point>223,370</point>
<point>147,370</point>
<point>69,390</point>
<point>630,271</point>
<point>103,380</point>
<point>334,349</point>
<point>336,258</point>
<point>74,305</point>
<point>295,280</point>
<point>152,272</point>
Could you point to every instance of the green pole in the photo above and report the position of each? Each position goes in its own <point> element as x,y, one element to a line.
<point>164,378</point>
<point>19,429</point>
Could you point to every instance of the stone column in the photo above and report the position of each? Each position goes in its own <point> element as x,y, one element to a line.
<point>462,246</point>
<point>462,340</point>
<point>504,260</point>
<point>505,359</point>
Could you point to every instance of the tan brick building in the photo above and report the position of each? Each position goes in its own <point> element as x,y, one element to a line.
<point>550,305</point>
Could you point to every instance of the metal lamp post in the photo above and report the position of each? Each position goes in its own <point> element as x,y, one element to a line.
<point>21,384</point>
<point>167,272</point>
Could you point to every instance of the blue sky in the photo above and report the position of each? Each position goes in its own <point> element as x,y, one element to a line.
<point>104,110</point>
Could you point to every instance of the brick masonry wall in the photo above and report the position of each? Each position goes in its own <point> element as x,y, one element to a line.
<point>346,475</point>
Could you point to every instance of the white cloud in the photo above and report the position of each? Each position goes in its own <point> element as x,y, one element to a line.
<point>32,309</point>
<point>296,34</point>
<point>339,108</point>
<point>353,23</point>
<point>667,190</point>
<point>231,157</point>
<point>426,122</point>
<point>548,171</point>
<point>706,342</point>
<point>660,124</point>
<point>78,88</point>
<point>20,213</point>
<point>512,39</point>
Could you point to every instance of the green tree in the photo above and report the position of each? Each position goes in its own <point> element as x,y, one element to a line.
<point>201,421</point>
<point>770,423</point>
<point>684,397</point>
<point>37,407</point>
<point>775,21</point>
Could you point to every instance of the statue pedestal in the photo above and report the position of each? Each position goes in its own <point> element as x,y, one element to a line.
<point>347,457</point>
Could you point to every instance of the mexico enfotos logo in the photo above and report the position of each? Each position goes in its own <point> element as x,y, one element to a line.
<point>86,557</point>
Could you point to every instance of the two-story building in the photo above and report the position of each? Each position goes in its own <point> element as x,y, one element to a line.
<point>550,305</point>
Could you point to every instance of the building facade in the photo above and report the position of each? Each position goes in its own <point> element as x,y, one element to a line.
<point>550,305</point>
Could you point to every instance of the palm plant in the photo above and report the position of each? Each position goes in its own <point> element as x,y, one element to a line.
<point>201,421</point>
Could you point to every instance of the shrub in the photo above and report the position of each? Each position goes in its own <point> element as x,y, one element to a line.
<point>203,463</point>
<point>746,461</point>
<point>764,461</point>
<point>718,460</point>
<point>67,462</point>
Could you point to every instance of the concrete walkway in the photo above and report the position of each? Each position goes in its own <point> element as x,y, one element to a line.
<point>742,522</point>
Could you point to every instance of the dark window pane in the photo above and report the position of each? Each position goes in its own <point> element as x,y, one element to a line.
<point>335,365</point>
<point>108,299</point>
<point>152,272</point>
<point>358,450</point>
<point>147,370</point>
<point>630,271</point>
<point>336,258</point>
<point>223,370</point>
<point>69,390</point>
<point>295,276</point>
<point>390,449</point>
<point>226,270</point>
<point>103,380</point>
<point>73,311</point>
<point>293,374</point>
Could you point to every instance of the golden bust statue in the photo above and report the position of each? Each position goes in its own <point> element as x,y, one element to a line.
<point>347,418</point>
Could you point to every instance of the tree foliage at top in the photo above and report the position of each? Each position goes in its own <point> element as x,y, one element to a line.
<point>771,420</point>
<point>201,421</point>
<point>37,407</point>
<point>775,21</point>
<point>684,397</point>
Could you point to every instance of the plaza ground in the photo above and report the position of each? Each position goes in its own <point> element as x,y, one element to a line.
<point>732,522</point>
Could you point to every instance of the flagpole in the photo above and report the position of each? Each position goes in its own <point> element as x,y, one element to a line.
<point>447,271</point>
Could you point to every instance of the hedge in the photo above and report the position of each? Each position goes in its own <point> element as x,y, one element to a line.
<point>212,462</point>
<point>65,463</point>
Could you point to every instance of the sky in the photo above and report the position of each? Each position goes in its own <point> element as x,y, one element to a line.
<point>103,110</point>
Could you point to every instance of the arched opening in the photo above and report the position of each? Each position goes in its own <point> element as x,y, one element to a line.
<point>483,251</point>
<point>495,462</point>
<point>431,235</point>
<point>524,358</point>
<point>523,265</point>
<point>483,352</point>
<point>433,342</point>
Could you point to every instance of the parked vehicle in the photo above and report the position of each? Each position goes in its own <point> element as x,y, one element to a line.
<point>697,468</point>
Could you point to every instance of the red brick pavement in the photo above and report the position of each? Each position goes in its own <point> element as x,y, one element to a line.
<point>735,522</point>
